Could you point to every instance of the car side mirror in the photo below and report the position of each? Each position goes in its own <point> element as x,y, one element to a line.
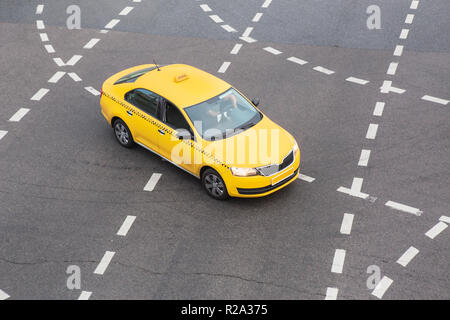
<point>255,102</point>
<point>184,134</point>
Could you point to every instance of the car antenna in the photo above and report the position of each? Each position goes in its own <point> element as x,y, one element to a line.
<point>156,65</point>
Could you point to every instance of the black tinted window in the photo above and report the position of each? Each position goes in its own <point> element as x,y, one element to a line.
<point>174,118</point>
<point>145,100</point>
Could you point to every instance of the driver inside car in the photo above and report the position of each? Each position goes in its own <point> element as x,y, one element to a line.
<point>226,103</point>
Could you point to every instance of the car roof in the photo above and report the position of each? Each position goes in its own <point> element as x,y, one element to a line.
<point>182,84</point>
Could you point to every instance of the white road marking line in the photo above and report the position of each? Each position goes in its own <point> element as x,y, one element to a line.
<point>3,133</point>
<point>398,50</point>
<point>104,31</point>
<point>382,286</point>
<point>272,50</point>
<point>74,76</point>
<point>357,184</point>
<point>409,18</point>
<point>248,39</point>
<point>39,94</point>
<point>372,131</point>
<point>137,0</point>
<point>85,295</point>
<point>357,80</point>
<point>49,48</point>
<point>445,219</point>
<point>347,222</point>
<point>403,207</point>
<point>44,37</point>
<point>103,265</point>
<point>407,256</point>
<point>56,77</point>
<point>257,17</point>
<point>91,43</point>
<point>414,4</point>
<point>228,28</point>
<point>3,295</point>
<point>266,3</point>
<point>236,48</point>
<point>92,90</point>
<point>40,24</point>
<point>112,23</point>
<point>74,60</point>
<point>323,70</point>
<point>205,7</point>
<point>306,178</point>
<point>59,62</point>
<point>19,115</point>
<point>379,107</point>
<point>364,158</point>
<point>387,87</point>
<point>216,18</point>
<point>297,60</point>
<point>392,68</point>
<point>39,9</point>
<point>438,228</point>
<point>224,67</point>
<point>434,99</point>
<point>152,182</point>
<point>247,32</point>
<point>338,261</point>
<point>125,11</point>
<point>355,189</point>
<point>404,34</point>
<point>332,293</point>
<point>126,226</point>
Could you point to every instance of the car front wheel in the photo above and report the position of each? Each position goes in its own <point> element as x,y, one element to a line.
<point>214,185</point>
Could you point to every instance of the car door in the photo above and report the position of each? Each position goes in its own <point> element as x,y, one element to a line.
<point>142,116</point>
<point>177,150</point>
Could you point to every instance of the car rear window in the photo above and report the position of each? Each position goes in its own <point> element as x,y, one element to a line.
<point>129,78</point>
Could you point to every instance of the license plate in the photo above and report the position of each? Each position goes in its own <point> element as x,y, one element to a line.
<point>282,176</point>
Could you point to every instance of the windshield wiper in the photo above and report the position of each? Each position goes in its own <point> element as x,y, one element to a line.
<point>247,125</point>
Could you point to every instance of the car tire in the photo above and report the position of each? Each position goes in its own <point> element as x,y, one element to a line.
<point>214,185</point>
<point>123,134</point>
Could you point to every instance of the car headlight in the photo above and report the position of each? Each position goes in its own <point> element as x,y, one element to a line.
<point>295,148</point>
<point>244,172</point>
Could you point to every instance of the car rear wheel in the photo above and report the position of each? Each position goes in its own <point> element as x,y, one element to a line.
<point>214,185</point>
<point>123,134</point>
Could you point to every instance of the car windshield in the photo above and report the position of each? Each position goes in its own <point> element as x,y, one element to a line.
<point>223,115</point>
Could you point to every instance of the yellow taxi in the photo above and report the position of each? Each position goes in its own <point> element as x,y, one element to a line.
<point>202,125</point>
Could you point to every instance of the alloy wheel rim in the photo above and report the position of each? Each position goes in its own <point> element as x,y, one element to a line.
<point>121,133</point>
<point>214,185</point>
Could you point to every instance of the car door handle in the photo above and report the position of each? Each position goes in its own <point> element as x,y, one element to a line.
<point>161,131</point>
<point>130,113</point>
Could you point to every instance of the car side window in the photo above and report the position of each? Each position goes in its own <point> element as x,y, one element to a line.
<point>174,118</point>
<point>145,100</point>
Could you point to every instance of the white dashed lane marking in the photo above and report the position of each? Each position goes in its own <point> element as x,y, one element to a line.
<point>248,39</point>
<point>409,18</point>
<point>332,293</point>
<point>236,48</point>
<point>247,32</point>
<point>85,295</point>
<point>306,178</point>
<point>44,37</point>
<point>39,9</point>
<point>74,60</point>
<point>40,24</point>
<point>3,295</point>
<point>103,265</point>
<point>297,60</point>
<point>266,3</point>
<point>357,80</point>
<point>435,100</point>
<point>152,182</point>
<point>403,207</point>
<point>125,11</point>
<point>404,34</point>
<point>91,43</point>
<point>379,107</point>
<point>323,70</point>
<point>56,77</point>
<point>126,226</point>
<point>74,76</point>
<point>372,131</point>
<point>49,48</point>
<point>436,230</point>
<point>272,50</point>
<point>40,94</point>
<point>382,286</point>
<point>445,219</point>
<point>347,222</point>
<point>338,261</point>
<point>364,158</point>
<point>257,17</point>
<point>387,87</point>
<point>92,90</point>
<point>228,28</point>
<point>398,51</point>
<point>3,133</point>
<point>392,68</point>
<point>59,62</point>
<point>224,67</point>
<point>414,4</point>
<point>112,23</point>
<point>355,189</point>
<point>407,256</point>
<point>216,18</point>
<point>19,115</point>
<point>205,8</point>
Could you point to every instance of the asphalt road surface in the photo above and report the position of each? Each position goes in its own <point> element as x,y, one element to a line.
<point>369,108</point>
